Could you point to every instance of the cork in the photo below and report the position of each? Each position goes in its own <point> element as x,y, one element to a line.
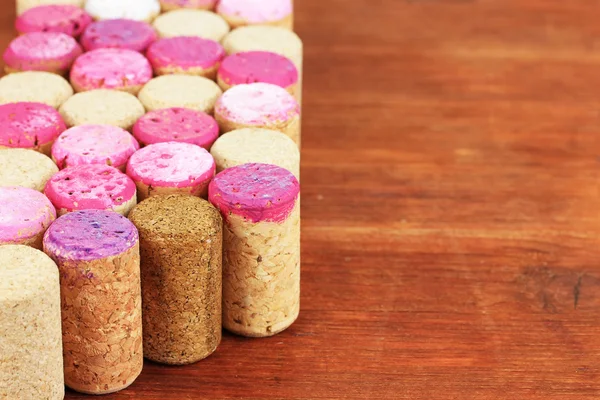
<point>35,86</point>
<point>31,362</point>
<point>252,145</point>
<point>261,248</point>
<point>187,91</point>
<point>102,106</point>
<point>191,22</point>
<point>268,38</point>
<point>27,168</point>
<point>259,105</point>
<point>97,253</point>
<point>181,249</point>
<point>169,5</point>
<point>119,34</point>
<point>64,18</point>
<point>24,5</point>
<point>138,10</point>
<point>239,13</point>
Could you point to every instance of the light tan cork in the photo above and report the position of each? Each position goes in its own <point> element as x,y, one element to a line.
<point>191,22</point>
<point>166,91</point>
<point>235,21</point>
<point>261,275</point>
<point>100,297</point>
<point>35,86</point>
<point>31,359</point>
<point>24,167</point>
<point>181,248</point>
<point>24,5</point>
<point>253,145</point>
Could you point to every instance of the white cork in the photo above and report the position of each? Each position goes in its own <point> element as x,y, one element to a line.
<point>24,167</point>
<point>31,360</point>
<point>138,10</point>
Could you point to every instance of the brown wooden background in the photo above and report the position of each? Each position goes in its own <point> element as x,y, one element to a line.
<point>451,210</point>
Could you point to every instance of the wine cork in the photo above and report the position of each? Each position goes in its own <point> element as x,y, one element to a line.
<point>119,69</point>
<point>94,144</point>
<point>171,167</point>
<point>177,124</point>
<point>35,86</point>
<point>25,214</point>
<point>268,38</point>
<point>187,91</point>
<point>189,55</point>
<point>258,66</point>
<point>26,168</point>
<point>41,51</point>
<point>102,106</point>
<point>181,248</point>
<point>24,5</point>
<point>239,13</point>
<point>251,145</point>
<point>63,18</point>
<point>97,253</point>
<point>169,5</point>
<point>138,10</point>
<point>91,187</point>
<point>28,125</point>
<point>118,34</point>
<point>190,22</point>
<point>261,248</point>
<point>31,360</point>
<point>259,105</point>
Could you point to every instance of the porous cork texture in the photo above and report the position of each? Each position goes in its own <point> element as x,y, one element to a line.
<point>31,359</point>
<point>35,86</point>
<point>24,167</point>
<point>101,312</point>
<point>24,5</point>
<point>254,145</point>
<point>181,249</point>
<point>191,22</point>
<point>187,91</point>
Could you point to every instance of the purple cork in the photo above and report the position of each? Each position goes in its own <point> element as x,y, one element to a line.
<point>89,235</point>
<point>258,192</point>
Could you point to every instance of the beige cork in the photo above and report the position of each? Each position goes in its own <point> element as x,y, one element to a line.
<point>101,302</point>
<point>144,191</point>
<point>289,127</point>
<point>35,86</point>
<point>253,145</point>
<point>31,359</point>
<point>102,106</point>
<point>209,73</point>
<point>24,167</point>
<point>181,248</point>
<point>235,21</point>
<point>24,5</point>
<point>261,275</point>
<point>191,22</point>
<point>186,91</point>
<point>170,5</point>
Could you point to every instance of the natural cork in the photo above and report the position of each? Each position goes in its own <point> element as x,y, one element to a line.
<point>261,248</point>
<point>31,363</point>
<point>181,249</point>
<point>98,257</point>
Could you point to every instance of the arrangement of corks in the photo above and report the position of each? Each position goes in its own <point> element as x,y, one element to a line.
<point>149,186</point>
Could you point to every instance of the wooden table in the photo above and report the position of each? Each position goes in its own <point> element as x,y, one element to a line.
<point>451,210</point>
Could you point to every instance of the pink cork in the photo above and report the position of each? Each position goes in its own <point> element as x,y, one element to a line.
<point>42,51</point>
<point>258,66</point>
<point>204,4</point>
<point>257,192</point>
<point>177,125</point>
<point>257,104</point>
<point>119,34</point>
<point>94,144</point>
<point>185,53</point>
<point>24,213</point>
<point>256,11</point>
<point>63,18</point>
<point>172,164</point>
<point>110,69</point>
<point>85,187</point>
<point>29,125</point>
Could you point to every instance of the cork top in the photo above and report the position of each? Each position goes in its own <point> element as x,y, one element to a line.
<point>258,192</point>
<point>190,22</point>
<point>24,213</point>
<point>176,215</point>
<point>258,66</point>
<point>23,271</point>
<point>185,52</point>
<point>38,86</point>
<point>89,235</point>
<point>256,11</point>
<point>139,10</point>
<point>28,125</point>
<point>118,33</point>
<point>64,18</point>
<point>23,167</point>
<point>35,51</point>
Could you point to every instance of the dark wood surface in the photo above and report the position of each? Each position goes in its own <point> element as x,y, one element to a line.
<point>451,210</point>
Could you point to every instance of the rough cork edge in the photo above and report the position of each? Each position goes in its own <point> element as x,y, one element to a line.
<point>210,73</point>
<point>132,89</point>
<point>145,191</point>
<point>45,149</point>
<point>225,86</point>
<point>237,22</point>
<point>290,127</point>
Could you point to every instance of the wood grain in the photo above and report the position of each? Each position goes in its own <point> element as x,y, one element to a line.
<point>451,210</point>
